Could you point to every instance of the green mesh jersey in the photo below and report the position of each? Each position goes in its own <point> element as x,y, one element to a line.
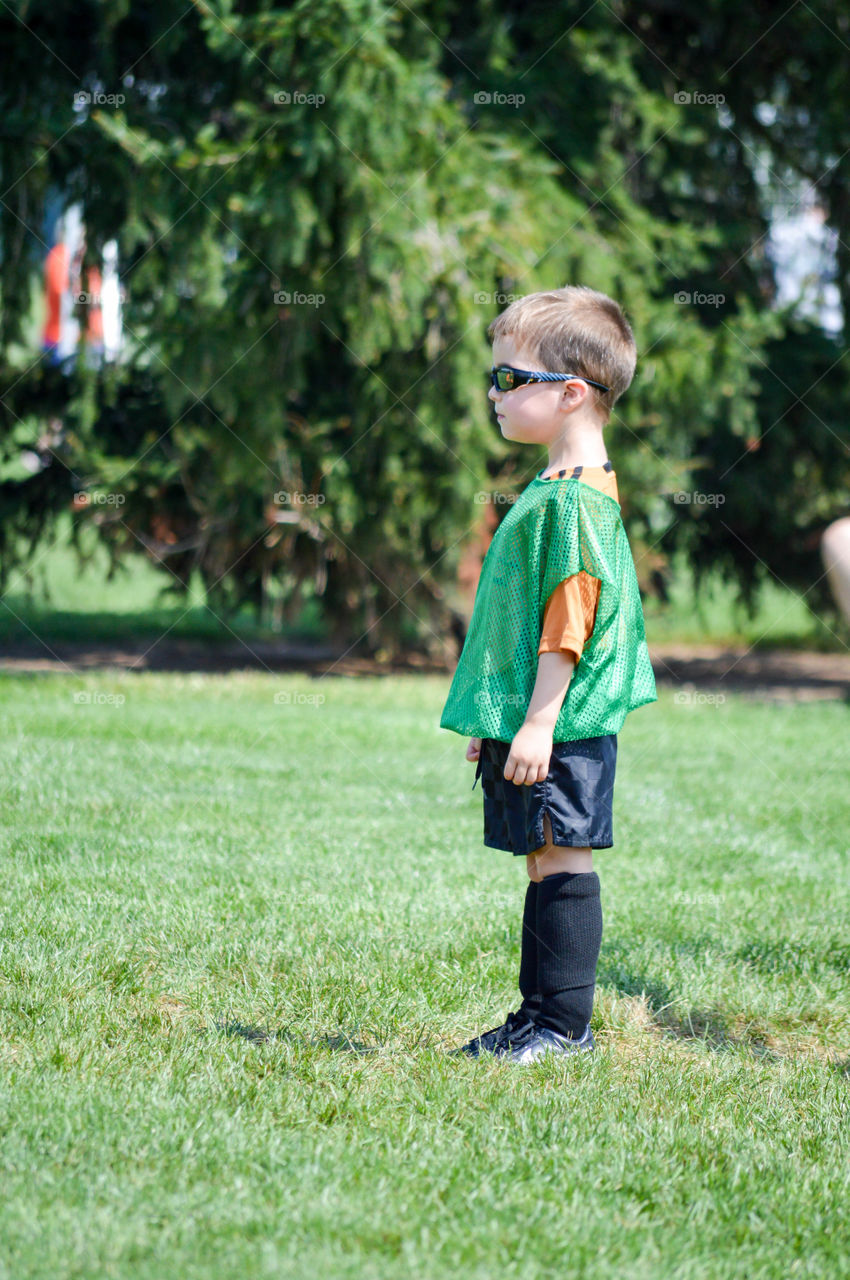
<point>556,528</point>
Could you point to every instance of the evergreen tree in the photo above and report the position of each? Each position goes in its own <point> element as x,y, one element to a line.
<point>319,210</point>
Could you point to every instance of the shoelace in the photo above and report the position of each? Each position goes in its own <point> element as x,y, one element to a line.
<point>518,1027</point>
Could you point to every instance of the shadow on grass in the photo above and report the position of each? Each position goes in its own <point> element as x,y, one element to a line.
<point>709,1026</point>
<point>263,1035</point>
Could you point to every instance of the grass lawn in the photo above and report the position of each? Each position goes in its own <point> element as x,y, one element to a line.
<point>200,858</point>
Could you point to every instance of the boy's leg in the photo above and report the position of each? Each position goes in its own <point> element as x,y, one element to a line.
<point>552,858</point>
<point>528,965</point>
<point>569,933</point>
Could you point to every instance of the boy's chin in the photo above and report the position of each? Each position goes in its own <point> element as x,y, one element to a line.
<point>517,434</point>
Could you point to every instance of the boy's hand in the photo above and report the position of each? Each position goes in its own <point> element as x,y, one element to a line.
<point>528,758</point>
<point>473,751</point>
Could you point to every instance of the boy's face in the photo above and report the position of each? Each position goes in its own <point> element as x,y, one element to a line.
<point>537,413</point>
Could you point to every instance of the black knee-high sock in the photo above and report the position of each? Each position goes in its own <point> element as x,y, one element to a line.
<point>528,958</point>
<point>569,935</point>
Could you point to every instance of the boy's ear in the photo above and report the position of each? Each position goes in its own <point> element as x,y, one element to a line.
<point>573,394</point>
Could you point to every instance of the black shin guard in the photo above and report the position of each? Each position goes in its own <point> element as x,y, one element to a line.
<point>528,959</point>
<point>569,935</point>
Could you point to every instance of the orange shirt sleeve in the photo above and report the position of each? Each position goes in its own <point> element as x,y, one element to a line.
<point>570,615</point>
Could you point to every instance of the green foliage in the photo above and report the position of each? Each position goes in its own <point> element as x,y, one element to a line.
<point>310,203</point>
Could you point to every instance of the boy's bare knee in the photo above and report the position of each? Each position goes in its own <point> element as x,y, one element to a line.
<point>533,859</point>
<point>552,858</point>
<point>531,866</point>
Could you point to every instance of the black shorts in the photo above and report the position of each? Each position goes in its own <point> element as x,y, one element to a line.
<point>577,793</point>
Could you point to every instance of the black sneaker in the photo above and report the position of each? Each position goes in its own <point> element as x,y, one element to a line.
<point>514,1026</point>
<point>535,1041</point>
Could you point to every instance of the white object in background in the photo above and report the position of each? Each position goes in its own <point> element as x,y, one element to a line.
<point>835,552</point>
<point>110,299</point>
<point>69,328</point>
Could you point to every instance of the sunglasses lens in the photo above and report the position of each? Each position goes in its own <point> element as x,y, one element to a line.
<point>504,379</point>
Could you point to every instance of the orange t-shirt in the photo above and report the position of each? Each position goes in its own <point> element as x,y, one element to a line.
<point>571,608</point>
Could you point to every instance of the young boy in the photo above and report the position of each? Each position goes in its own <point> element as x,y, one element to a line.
<point>555,656</point>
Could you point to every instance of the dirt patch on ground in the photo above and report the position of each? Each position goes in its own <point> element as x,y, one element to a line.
<point>779,674</point>
<point>786,674</point>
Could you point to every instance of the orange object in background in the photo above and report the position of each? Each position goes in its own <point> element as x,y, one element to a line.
<point>55,283</point>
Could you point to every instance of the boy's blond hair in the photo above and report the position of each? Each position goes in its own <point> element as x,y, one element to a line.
<point>574,330</point>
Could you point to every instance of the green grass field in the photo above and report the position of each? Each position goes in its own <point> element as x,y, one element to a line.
<point>201,857</point>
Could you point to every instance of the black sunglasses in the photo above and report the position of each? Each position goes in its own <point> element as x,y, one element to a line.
<point>505,378</point>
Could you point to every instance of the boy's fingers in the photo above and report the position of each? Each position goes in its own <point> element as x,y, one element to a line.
<point>524,775</point>
<point>515,773</point>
